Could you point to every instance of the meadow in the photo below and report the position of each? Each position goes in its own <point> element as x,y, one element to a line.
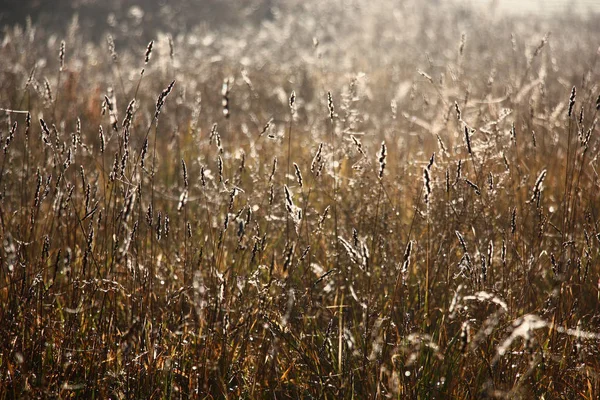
<point>339,200</point>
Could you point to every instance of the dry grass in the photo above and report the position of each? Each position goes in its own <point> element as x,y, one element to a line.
<point>405,210</point>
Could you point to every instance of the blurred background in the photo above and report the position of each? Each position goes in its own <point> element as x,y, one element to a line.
<point>141,17</point>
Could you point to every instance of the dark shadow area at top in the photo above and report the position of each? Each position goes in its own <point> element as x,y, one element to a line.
<point>134,19</point>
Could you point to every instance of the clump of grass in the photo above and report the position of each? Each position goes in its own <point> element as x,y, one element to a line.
<point>151,246</point>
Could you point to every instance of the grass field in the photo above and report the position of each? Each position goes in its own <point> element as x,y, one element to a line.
<point>337,200</point>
